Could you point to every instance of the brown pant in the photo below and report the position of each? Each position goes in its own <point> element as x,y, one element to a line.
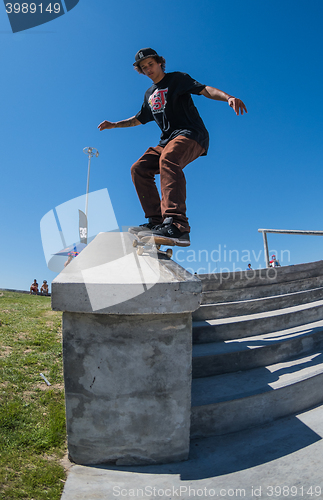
<point>169,162</point>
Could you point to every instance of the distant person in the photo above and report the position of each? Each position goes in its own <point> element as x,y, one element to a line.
<point>44,288</point>
<point>34,288</point>
<point>69,259</point>
<point>184,138</point>
<point>274,262</point>
<point>249,268</point>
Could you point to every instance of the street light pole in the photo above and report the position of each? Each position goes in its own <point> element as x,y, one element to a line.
<point>83,225</point>
<point>90,152</point>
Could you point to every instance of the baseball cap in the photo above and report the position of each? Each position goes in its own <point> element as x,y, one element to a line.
<point>143,54</point>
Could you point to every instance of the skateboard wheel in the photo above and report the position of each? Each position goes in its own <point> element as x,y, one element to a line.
<point>134,243</point>
<point>158,247</point>
<point>140,250</point>
<point>169,252</point>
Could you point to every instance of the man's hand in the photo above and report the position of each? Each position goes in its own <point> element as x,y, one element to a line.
<point>130,122</point>
<point>219,95</point>
<point>237,105</point>
<point>106,125</point>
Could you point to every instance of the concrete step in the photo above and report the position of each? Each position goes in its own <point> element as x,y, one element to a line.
<point>261,291</point>
<point>235,401</point>
<point>243,307</point>
<point>238,327</point>
<point>260,277</point>
<point>260,350</point>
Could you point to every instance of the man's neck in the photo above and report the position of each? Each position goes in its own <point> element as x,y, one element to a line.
<point>159,78</point>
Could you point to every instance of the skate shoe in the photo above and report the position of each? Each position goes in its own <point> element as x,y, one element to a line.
<point>148,226</point>
<point>167,231</point>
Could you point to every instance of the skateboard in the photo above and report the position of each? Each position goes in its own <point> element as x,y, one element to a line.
<point>148,243</point>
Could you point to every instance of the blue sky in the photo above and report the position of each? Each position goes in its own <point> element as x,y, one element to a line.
<point>264,169</point>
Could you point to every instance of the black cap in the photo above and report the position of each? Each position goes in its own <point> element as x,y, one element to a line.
<point>143,54</point>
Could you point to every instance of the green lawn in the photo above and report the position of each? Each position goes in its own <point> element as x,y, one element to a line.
<point>32,414</point>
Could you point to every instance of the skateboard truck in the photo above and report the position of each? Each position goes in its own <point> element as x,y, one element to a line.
<point>146,245</point>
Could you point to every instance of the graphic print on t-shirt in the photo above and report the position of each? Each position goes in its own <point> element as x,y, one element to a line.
<point>157,101</point>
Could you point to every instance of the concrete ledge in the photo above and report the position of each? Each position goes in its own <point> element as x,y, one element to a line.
<point>23,291</point>
<point>108,277</point>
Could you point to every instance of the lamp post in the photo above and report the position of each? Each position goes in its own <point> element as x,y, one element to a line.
<point>83,226</point>
<point>90,152</point>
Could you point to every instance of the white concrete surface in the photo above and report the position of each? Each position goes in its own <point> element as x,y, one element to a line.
<point>282,460</point>
<point>108,277</point>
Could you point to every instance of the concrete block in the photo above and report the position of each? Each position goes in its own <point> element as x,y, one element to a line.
<point>108,277</point>
<point>128,387</point>
<point>127,351</point>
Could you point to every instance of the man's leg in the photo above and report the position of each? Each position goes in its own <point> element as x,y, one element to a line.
<point>174,157</point>
<point>143,176</point>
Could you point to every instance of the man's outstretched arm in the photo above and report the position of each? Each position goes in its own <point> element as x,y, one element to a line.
<point>219,95</point>
<point>130,122</point>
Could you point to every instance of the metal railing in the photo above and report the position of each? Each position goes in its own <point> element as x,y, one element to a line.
<point>282,231</point>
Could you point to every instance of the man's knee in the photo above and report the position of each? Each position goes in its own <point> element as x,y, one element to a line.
<point>136,169</point>
<point>171,160</point>
<point>180,152</point>
<point>146,166</point>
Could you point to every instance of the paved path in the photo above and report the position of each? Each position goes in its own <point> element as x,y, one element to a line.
<point>281,460</point>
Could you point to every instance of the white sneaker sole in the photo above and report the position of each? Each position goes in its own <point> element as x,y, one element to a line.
<point>164,240</point>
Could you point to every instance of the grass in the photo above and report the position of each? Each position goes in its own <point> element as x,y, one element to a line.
<point>32,414</point>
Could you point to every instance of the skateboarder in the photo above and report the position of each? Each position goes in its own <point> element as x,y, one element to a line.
<point>183,139</point>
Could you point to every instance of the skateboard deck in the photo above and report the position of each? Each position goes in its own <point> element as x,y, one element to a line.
<point>163,240</point>
<point>149,243</point>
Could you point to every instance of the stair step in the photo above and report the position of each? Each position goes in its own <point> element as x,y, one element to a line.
<point>257,348</point>
<point>236,401</point>
<point>255,324</point>
<point>210,390</point>
<point>261,277</point>
<point>244,307</point>
<point>258,292</point>
<point>242,354</point>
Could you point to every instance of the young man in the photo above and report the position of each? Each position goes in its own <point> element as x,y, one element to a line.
<point>184,138</point>
<point>34,288</point>
<point>44,288</point>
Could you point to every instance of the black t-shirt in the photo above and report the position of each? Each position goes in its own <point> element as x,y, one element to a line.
<point>170,104</point>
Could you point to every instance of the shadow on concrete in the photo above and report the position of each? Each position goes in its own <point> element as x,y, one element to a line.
<point>276,339</point>
<point>220,455</point>
<point>236,385</point>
